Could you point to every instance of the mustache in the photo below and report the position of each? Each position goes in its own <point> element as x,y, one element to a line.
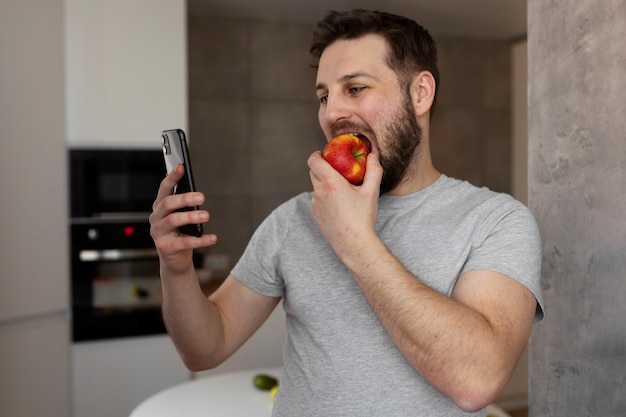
<point>347,125</point>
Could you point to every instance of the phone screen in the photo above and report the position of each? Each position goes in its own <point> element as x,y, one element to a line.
<point>175,152</point>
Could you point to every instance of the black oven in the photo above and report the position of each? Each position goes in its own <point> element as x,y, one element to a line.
<point>115,284</point>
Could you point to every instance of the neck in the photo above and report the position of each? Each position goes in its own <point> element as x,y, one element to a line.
<point>416,180</point>
<point>421,173</point>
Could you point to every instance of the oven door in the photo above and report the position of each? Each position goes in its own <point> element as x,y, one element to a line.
<point>116,288</point>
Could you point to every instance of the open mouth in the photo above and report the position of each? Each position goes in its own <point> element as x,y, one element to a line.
<point>364,139</point>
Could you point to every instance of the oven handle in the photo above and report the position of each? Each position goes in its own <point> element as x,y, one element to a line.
<point>116,254</point>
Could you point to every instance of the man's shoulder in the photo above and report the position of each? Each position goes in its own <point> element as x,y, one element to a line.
<point>295,209</point>
<point>464,190</point>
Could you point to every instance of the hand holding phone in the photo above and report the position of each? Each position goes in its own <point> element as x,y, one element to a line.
<point>175,152</point>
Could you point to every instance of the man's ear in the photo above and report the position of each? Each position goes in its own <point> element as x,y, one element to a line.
<point>423,92</point>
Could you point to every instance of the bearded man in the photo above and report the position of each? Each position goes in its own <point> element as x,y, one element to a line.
<point>412,294</point>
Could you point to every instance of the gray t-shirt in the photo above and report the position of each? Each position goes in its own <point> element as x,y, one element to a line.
<point>338,359</point>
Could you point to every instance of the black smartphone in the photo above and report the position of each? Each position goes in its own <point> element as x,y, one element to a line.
<point>175,151</point>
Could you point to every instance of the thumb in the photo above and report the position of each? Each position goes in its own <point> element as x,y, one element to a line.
<point>373,172</point>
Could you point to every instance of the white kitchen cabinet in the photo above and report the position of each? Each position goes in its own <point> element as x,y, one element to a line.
<point>110,378</point>
<point>126,71</point>
<point>34,326</point>
<point>34,367</point>
<point>32,160</point>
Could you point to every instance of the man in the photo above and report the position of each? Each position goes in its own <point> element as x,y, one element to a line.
<point>412,294</point>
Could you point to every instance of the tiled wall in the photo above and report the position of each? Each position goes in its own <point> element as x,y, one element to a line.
<point>253,118</point>
<point>471,129</point>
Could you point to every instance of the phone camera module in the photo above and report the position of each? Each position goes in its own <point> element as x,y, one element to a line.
<point>166,145</point>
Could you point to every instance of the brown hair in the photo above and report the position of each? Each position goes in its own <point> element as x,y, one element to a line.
<point>411,48</point>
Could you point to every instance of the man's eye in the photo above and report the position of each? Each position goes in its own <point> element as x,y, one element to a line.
<point>323,99</point>
<point>355,90</point>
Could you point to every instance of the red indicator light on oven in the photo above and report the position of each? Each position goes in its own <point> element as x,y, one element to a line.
<point>129,230</point>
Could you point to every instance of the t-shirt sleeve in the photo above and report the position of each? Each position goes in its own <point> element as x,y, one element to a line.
<point>511,246</point>
<point>258,266</point>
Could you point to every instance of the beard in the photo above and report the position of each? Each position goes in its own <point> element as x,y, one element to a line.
<point>403,137</point>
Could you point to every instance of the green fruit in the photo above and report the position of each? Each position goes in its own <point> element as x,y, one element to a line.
<point>264,382</point>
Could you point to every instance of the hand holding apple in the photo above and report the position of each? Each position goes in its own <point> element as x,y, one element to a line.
<point>347,153</point>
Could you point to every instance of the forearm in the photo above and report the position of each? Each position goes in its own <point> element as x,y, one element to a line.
<point>193,322</point>
<point>449,343</point>
<point>207,331</point>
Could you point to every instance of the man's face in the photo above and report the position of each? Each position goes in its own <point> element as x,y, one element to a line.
<point>359,93</point>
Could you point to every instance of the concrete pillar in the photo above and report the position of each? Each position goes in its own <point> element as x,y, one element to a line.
<point>577,183</point>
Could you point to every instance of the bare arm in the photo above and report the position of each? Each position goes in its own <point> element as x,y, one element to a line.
<point>465,345</point>
<point>206,331</point>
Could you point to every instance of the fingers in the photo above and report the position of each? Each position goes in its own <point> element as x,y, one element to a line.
<point>166,203</point>
<point>169,223</point>
<point>170,245</point>
<point>168,183</point>
<point>320,171</point>
<point>313,163</point>
<point>176,249</point>
<point>175,202</point>
<point>373,173</point>
<point>166,216</point>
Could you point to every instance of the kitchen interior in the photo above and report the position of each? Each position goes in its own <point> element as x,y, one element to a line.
<point>79,319</point>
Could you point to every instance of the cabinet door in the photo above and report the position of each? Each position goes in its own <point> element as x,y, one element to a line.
<point>33,178</point>
<point>111,378</point>
<point>126,71</point>
<point>34,367</point>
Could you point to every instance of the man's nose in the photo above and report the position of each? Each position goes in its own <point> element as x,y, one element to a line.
<point>337,108</point>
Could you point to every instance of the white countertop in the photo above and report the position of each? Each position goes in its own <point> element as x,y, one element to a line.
<point>229,394</point>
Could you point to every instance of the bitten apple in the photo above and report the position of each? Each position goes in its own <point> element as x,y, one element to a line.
<point>347,153</point>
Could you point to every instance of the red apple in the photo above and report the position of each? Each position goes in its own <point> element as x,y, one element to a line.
<point>347,154</point>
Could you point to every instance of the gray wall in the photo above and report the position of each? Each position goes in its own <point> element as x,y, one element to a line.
<point>253,117</point>
<point>577,180</point>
